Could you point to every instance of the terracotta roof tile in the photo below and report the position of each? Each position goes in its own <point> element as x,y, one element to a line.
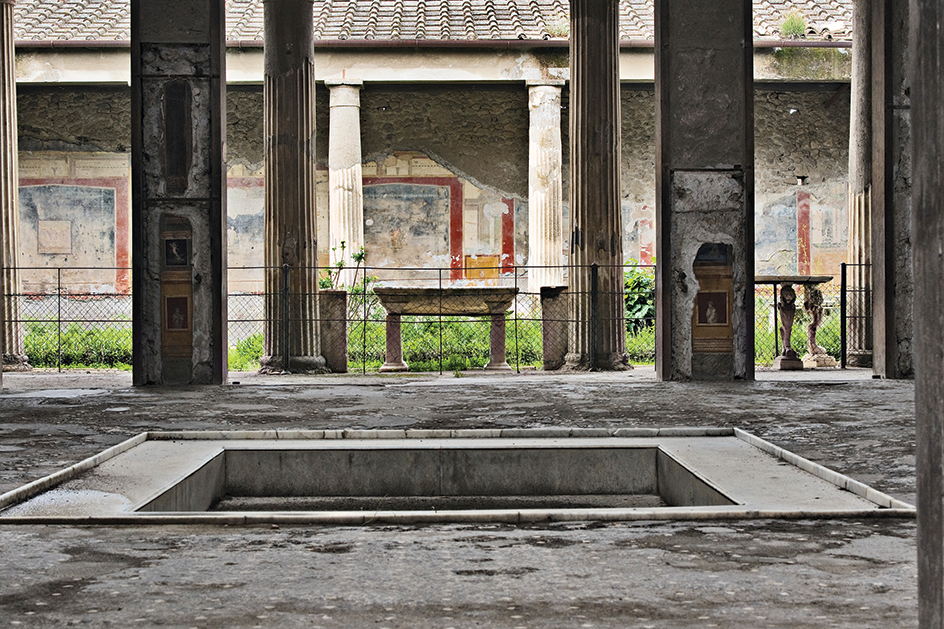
<point>103,20</point>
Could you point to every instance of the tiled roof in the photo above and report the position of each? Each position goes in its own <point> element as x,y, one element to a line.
<point>109,20</point>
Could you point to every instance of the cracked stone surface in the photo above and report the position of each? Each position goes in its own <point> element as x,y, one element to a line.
<point>740,573</point>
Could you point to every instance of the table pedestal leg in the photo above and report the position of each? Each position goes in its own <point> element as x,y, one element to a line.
<point>394,354</point>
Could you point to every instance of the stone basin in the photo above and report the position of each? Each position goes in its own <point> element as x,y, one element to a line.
<point>465,301</point>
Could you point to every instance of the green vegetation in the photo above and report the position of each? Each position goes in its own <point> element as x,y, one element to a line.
<point>245,355</point>
<point>99,347</point>
<point>794,26</point>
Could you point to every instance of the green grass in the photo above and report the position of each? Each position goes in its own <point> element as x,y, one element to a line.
<point>245,355</point>
<point>105,346</point>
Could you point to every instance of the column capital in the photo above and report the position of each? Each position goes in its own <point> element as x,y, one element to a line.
<point>343,82</point>
<point>545,82</point>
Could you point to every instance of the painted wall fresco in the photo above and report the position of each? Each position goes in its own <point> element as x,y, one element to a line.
<point>406,225</point>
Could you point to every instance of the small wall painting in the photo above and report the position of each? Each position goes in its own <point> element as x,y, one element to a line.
<point>175,252</point>
<point>712,308</point>
<point>177,313</point>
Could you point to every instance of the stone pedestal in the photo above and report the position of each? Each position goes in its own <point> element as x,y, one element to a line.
<point>704,186</point>
<point>597,334</point>
<point>178,119</point>
<point>14,354</point>
<point>545,196</point>
<point>290,219</point>
<point>346,192</point>
<point>554,312</point>
<point>333,310</point>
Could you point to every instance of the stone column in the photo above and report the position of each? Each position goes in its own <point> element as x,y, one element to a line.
<point>860,186</point>
<point>290,219</point>
<point>545,196</point>
<point>178,178</point>
<point>14,354</point>
<point>704,190</point>
<point>346,189</point>
<point>927,232</point>
<point>892,275</point>
<point>597,336</point>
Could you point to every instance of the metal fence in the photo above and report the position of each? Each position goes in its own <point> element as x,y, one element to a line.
<point>450,331</point>
<point>72,317</point>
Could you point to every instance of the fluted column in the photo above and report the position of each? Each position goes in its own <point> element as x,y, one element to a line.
<point>597,339</point>
<point>14,354</point>
<point>346,209</point>
<point>860,186</point>
<point>545,196</point>
<point>290,227</point>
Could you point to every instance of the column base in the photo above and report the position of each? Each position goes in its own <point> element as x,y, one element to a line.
<point>788,363</point>
<point>575,361</point>
<point>819,361</point>
<point>859,358</point>
<point>394,367</point>
<point>296,364</point>
<point>16,362</point>
<point>496,366</point>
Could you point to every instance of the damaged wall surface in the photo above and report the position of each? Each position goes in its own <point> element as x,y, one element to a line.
<point>480,136</point>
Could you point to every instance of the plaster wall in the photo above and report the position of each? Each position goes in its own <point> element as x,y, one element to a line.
<point>480,134</point>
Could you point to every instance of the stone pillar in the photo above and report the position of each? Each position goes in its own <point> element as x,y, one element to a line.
<point>290,219</point>
<point>346,190</point>
<point>545,196</point>
<point>704,190</point>
<point>892,275</point>
<point>393,360</point>
<point>927,231</point>
<point>860,187</point>
<point>597,336</point>
<point>14,354</point>
<point>178,178</point>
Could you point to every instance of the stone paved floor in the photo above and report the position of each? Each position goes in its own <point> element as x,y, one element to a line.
<point>644,574</point>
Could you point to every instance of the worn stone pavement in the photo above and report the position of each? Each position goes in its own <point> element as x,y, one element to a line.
<point>742,573</point>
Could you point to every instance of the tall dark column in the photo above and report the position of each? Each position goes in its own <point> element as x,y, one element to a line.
<point>597,338</point>
<point>291,234</point>
<point>892,275</point>
<point>178,92</point>
<point>927,94</point>
<point>859,192</point>
<point>704,190</point>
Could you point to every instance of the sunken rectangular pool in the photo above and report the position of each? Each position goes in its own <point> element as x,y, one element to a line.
<point>359,477</point>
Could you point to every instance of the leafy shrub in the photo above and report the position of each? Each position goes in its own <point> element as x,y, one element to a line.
<point>245,355</point>
<point>639,295</point>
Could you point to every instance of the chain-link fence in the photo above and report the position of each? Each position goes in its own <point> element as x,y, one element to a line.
<point>443,321</point>
<point>73,317</point>
<point>82,317</point>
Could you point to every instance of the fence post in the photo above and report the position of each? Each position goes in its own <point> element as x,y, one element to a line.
<point>364,336</point>
<point>594,311</point>
<point>440,323</point>
<point>59,318</point>
<point>285,317</point>
<point>842,315</point>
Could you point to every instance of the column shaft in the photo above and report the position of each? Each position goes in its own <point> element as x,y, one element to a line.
<point>290,218</point>
<point>346,209</point>
<point>597,338</point>
<point>927,94</point>
<point>545,196</point>
<point>14,354</point>
<point>860,186</point>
